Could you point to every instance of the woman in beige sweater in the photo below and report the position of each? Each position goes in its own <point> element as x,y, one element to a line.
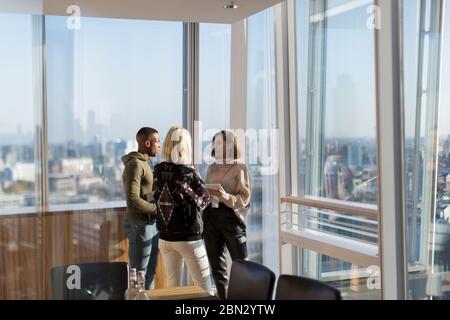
<point>225,217</point>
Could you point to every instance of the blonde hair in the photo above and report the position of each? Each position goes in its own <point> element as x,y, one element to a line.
<point>177,146</point>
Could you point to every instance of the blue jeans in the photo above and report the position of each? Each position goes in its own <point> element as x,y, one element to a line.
<point>143,250</point>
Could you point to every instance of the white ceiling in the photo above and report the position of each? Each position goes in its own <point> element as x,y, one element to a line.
<point>172,10</point>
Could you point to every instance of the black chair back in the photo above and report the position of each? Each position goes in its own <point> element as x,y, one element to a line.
<point>250,281</point>
<point>90,281</point>
<point>299,288</point>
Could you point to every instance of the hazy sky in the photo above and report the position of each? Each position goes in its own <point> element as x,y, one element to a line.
<point>113,76</point>
<point>350,73</point>
<point>16,89</point>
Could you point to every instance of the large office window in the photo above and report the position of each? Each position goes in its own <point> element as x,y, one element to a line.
<point>17,166</point>
<point>106,80</point>
<point>335,174</point>
<point>427,147</point>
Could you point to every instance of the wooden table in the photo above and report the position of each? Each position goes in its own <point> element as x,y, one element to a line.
<point>178,293</point>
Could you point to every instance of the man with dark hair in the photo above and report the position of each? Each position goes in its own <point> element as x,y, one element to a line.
<point>140,219</point>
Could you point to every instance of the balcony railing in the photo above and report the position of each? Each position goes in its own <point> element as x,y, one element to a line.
<point>342,230</point>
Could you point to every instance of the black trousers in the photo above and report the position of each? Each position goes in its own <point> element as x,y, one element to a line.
<point>223,229</point>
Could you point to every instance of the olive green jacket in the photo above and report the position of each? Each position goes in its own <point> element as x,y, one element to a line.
<point>138,184</point>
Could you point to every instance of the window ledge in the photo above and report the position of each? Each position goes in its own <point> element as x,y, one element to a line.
<point>86,207</point>
<point>22,211</point>
<point>64,208</point>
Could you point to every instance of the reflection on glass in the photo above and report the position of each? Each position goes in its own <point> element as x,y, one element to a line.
<point>427,148</point>
<point>105,81</point>
<point>261,111</point>
<point>337,147</point>
<point>336,101</point>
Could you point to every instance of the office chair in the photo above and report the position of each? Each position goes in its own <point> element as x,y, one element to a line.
<point>90,281</point>
<point>299,288</point>
<point>250,281</point>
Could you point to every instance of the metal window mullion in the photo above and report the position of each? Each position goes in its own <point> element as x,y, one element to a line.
<point>288,255</point>
<point>317,48</point>
<point>41,136</point>
<point>191,81</point>
<point>316,94</point>
<point>417,148</point>
<point>293,96</point>
<point>432,127</point>
<point>293,116</point>
<point>190,94</point>
<point>390,137</point>
<point>40,111</point>
<point>428,88</point>
<point>270,190</point>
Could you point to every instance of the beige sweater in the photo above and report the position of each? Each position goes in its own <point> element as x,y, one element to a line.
<point>235,180</point>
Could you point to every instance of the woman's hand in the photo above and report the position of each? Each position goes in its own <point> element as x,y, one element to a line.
<point>217,193</point>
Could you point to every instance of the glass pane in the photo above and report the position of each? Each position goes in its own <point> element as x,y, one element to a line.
<point>17,139</point>
<point>20,237</point>
<point>261,149</point>
<point>336,142</point>
<point>354,282</point>
<point>214,86</point>
<point>344,236</point>
<point>441,261</point>
<point>106,80</point>
<point>427,148</point>
<point>336,101</point>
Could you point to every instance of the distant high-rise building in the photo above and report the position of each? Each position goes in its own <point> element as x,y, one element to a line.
<point>7,175</point>
<point>91,132</point>
<point>23,172</point>
<point>446,147</point>
<point>12,201</point>
<point>77,167</point>
<point>119,148</point>
<point>62,183</point>
<point>355,153</point>
<point>343,108</point>
<point>62,125</point>
<point>2,163</point>
<point>131,146</point>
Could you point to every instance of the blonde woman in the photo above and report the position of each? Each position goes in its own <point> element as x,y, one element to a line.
<point>225,219</point>
<point>181,196</point>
